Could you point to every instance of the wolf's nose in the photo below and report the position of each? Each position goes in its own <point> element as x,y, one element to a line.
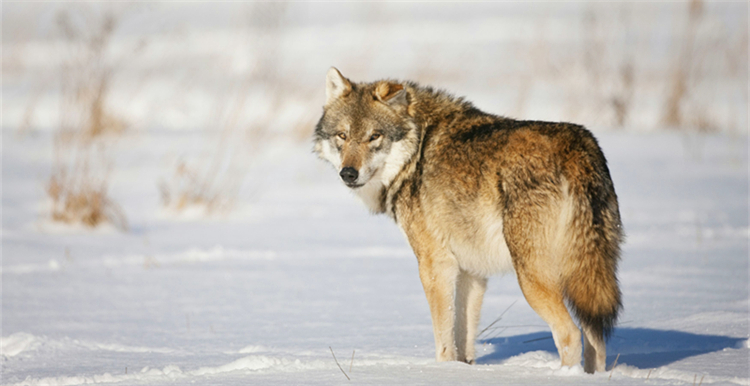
<point>349,174</point>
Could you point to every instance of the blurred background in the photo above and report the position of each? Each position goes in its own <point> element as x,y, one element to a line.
<point>242,78</point>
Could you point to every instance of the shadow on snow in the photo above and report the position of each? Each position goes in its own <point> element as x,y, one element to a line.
<point>638,347</point>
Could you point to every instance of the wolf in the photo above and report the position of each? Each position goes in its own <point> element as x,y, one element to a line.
<point>477,195</point>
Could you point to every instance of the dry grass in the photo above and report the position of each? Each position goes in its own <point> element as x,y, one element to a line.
<point>212,183</point>
<point>679,89</point>
<point>609,66</point>
<point>707,51</point>
<point>337,363</point>
<point>622,101</point>
<point>489,327</point>
<point>78,185</point>
<point>193,187</point>
<point>86,76</point>
<point>704,48</point>
<point>620,79</point>
<point>613,367</point>
<point>85,203</point>
<point>78,197</point>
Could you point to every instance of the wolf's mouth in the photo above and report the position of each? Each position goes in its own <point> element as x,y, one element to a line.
<point>355,186</point>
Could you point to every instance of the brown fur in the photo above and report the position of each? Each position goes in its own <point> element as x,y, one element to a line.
<point>472,189</point>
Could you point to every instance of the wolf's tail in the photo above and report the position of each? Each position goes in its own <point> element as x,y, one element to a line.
<point>590,283</point>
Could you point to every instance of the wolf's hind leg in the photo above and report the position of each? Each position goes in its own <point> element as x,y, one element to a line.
<point>548,302</point>
<point>439,272</point>
<point>594,351</point>
<point>469,293</point>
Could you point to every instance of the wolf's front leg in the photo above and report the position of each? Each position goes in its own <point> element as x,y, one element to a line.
<point>439,272</point>
<point>469,293</point>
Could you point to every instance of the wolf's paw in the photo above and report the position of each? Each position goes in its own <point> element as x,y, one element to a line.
<point>446,354</point>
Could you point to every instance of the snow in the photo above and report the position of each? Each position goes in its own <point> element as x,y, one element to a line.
<point>260,296</point>
<point>298,268</point>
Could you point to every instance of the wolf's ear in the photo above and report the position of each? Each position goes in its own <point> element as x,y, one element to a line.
<point>392,94</point>
<point>336,85</point>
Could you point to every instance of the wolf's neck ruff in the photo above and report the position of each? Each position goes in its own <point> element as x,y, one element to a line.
<point>426,106</point>
<point>400,166</point>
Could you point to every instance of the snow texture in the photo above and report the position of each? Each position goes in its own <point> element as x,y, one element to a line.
<point>259,296</point>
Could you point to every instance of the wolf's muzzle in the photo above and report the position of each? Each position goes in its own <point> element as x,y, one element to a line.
<point>349,175</point>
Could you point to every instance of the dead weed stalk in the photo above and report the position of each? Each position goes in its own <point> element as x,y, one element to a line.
<point>86,77</point>
<point>77,195</point>
<point>212,183</point>
<point>78,185</point>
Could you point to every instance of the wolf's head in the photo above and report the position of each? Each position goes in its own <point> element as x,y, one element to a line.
<point>366,131</point>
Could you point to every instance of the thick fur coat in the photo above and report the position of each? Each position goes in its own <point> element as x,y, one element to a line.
<point>477,195</point>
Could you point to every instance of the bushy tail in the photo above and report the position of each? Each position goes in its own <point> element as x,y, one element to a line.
<point>590,285</point>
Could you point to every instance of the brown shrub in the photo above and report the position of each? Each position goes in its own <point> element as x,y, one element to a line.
<point>79,198</point>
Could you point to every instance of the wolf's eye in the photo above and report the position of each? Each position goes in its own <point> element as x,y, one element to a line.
<point>342,136</point>
<point>374,137</point>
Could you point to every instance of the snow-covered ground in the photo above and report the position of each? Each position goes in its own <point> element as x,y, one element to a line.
<point>297,268</point>
<point>258,297</point>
